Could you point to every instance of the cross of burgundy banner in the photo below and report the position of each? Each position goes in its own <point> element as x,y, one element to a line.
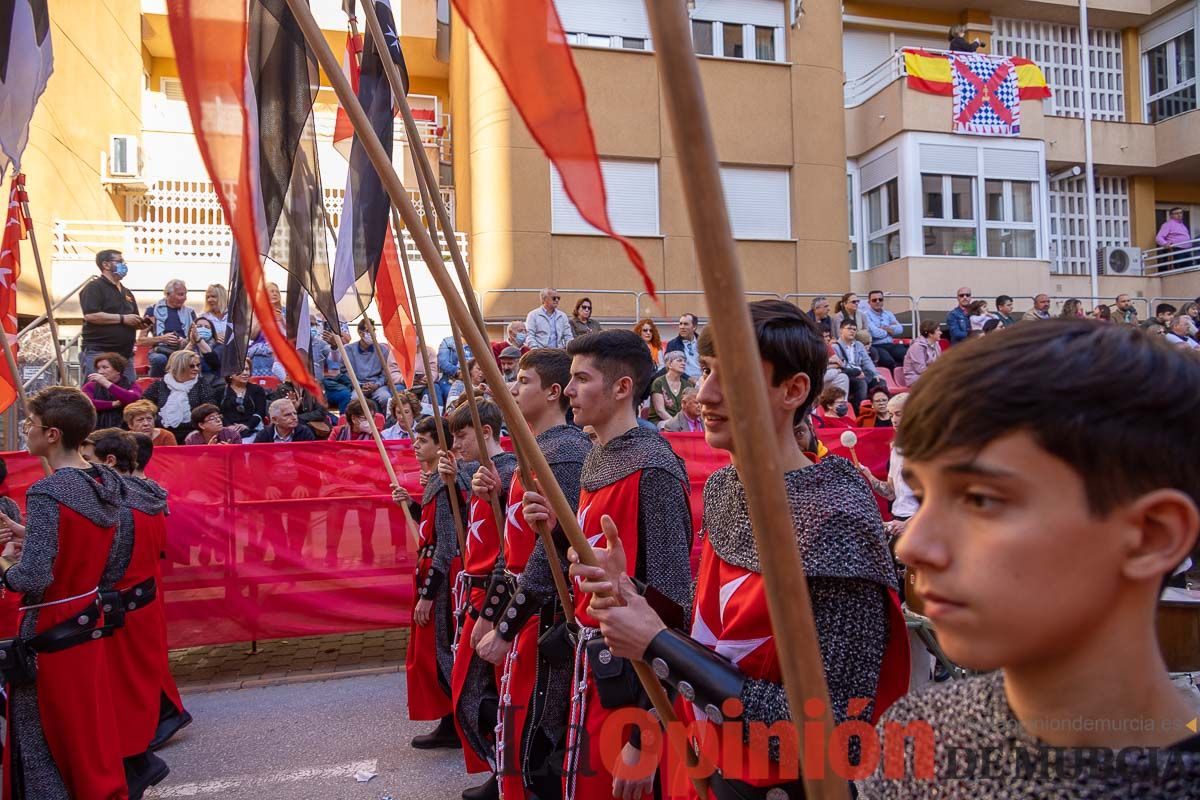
<point>986,98</point>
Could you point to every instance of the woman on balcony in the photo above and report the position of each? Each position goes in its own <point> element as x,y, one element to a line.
<point>110,390</point>
<point>216,311</point>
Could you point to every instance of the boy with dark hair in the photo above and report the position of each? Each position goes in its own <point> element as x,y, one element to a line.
<point>1046,529</point>
<point>634,477</point>
<point>429,660</point>
<point>522,604</point>
<point>731,653</point>
<point>473,683</point>
<point>62,738</point>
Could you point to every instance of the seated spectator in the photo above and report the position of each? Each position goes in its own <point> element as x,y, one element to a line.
<point>328,366</point>
<point>1102,313</point>
<point>847,308</point>
<point>1182,332</point>
<point>448,366</point>
<point>924,351</point>
<point>547,325</point>
<point>180,391</point>
<point>458,392</point>
<point>958,321</point>
<point>581,319</point>
<point>1040,310</point>
<point>364,362</point>
<point>285,425</point>
<point>110,389</point>
<point>1152,328</point>
<point>139,418</point>
<point>687,342</point>
<point>1123,313</point>
<point>262,356</point>
<point>856,364</point>
<point>243,404</point>
<point>689,418</point>
<point>167,324</point>
<point>216,311</point>
<point>649,332</point>
<point>1163,314</point>
<point>833,411</point>
<point>818,310</point>
<point>833,367</point>
<point>666,391</point>
<point>1192,310</point>
<point>1003,312</point>
<point>308,410</point>
<point>977,314</point>
<point>904,502</point>
<point>211,428</point>
<point>509,357</point>
<point>405,413</point>
<point>877,415</point>
<point>354,426</point>
<point>514,336</point>
<point>1072,309</point>
<point>883,325</point>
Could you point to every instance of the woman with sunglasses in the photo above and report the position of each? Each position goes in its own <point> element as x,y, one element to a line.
<point>581,318</point>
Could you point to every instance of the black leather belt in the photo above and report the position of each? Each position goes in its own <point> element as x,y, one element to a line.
<point>16,661</point>
<point>425,552</point>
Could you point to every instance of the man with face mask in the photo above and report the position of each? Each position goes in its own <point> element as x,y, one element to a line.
<point>361,358</point>
<point>514,336</point>
<point>110,315</point>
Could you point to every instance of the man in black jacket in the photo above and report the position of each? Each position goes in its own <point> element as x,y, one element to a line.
<point>285,425</point>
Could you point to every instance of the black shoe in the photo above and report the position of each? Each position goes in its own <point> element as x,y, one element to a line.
<point>442,737</point>
<point>489,790</point>
<point>142,772</point>
<point>168,727</point>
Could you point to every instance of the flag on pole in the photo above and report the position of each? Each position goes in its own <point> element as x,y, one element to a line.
<point>26,61</point>
<point>931,73</point>
<point>210,38</point>
<point>524,41</point>
<point>343,129</point>
<point>366,259</point>
<point>10,271</point>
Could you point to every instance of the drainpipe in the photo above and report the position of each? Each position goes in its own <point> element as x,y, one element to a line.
<point>1089,163</point>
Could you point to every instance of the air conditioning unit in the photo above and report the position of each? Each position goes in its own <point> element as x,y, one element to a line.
<point>1119,261</point>
<point>123,156</point>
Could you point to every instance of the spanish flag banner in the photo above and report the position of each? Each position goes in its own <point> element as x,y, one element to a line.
<point>930,72</point>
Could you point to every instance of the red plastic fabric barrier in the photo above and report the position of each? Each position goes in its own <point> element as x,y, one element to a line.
<point>301,539</point>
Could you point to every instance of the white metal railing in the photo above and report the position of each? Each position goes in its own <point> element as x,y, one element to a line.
<point>1161,260</point>
<point>80,240</point>
<point>857,91</point>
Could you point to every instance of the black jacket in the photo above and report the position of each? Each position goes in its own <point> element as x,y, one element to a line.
<point>202,392</point>
<point>303,433</point>
<point>253,413</point>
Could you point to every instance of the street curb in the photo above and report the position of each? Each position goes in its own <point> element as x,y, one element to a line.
<point>286,680</point>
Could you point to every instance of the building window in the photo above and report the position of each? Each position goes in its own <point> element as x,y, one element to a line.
<point>1171,77</point>
<point>883,223</point>
<point>949,215</point>
<point>632,189</point>
<point>618,24</point>
<point>764,43</point>
<point>734,40</point>
<point>702,36</point>
<point>758,201</point>
<point>747,29</point>
<point>1011,229</point>
<point>852,218</point>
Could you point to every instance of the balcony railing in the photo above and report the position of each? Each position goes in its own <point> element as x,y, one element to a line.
<point>859,90</point>
<point>1163,260</point>
<point>80,240</point>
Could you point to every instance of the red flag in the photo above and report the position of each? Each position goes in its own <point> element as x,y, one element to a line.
<point>524,41</point>
<point>392,298</point>
<point>10,271</point>
<point>210,49</point>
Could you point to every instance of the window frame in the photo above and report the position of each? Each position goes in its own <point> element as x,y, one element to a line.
<point>1009,222</point>
<point>892,226</point>
<point>947,220</point>
<point>1174,86</point>
<point>586,229</point>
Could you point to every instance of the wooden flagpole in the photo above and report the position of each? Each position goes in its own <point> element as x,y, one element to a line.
<point>19,385</point>
<point>458,310</point>
<point>758,458</point>
<point>23,199</point>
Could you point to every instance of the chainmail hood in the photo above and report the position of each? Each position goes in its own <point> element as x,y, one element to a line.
<point>98,499</point>
<point>564,444</point>
<point>838,527</point>
<point>144,495</point>
<point>636,449</point>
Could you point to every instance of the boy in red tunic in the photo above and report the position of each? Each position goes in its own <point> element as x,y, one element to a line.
<point>634,477</point>
<point>473,681</point>
<point>429,660</point>
<point>522,604</point>
<point>731,652</point>
<point>63,739</point>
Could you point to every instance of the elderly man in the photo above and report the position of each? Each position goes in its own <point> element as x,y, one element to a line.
<point>1182,332</point>
<point>110,315</point>
<point>958,321</point>
<point>514,336</point>
<point>883,325</point>
<point>1040,310</point>
<point>285,425</point>
<point>546,325</point>
<point>687,342</point>
<point>509,357</point>
<point>168,323</point>
<point>1175,236</point>
<point>1123,313</point>
<point>362,359</point>
<point>689,419</point>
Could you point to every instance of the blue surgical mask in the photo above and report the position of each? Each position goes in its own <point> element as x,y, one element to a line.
<point>841,409</point>
<point>204,333</point>
<point>120,270</point>
<point>521,338</point>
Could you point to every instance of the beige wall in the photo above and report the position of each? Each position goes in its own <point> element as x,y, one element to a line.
<point>95,92</point>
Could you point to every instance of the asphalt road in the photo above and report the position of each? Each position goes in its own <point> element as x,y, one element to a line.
<point>306,742</point>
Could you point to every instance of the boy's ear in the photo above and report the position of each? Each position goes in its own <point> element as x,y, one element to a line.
<point>1167,522</point>
<point>796,391</point>
<point>623,387</point>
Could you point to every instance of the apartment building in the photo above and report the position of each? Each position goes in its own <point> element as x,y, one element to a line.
<point>838,174</point>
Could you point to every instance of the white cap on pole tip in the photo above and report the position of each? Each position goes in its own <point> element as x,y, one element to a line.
<point>849,439</point>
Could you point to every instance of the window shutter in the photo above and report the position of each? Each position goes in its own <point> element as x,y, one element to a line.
<point>945,159</point>
<point>632,190</point>
<point>172,88</point>
<point>769,13</point>
<point>863,51</point>
<point>879,171</point>
<point>758,202</point>
<point>607,18</point>
<point>1164,30</point>
<point>1017,165</point>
